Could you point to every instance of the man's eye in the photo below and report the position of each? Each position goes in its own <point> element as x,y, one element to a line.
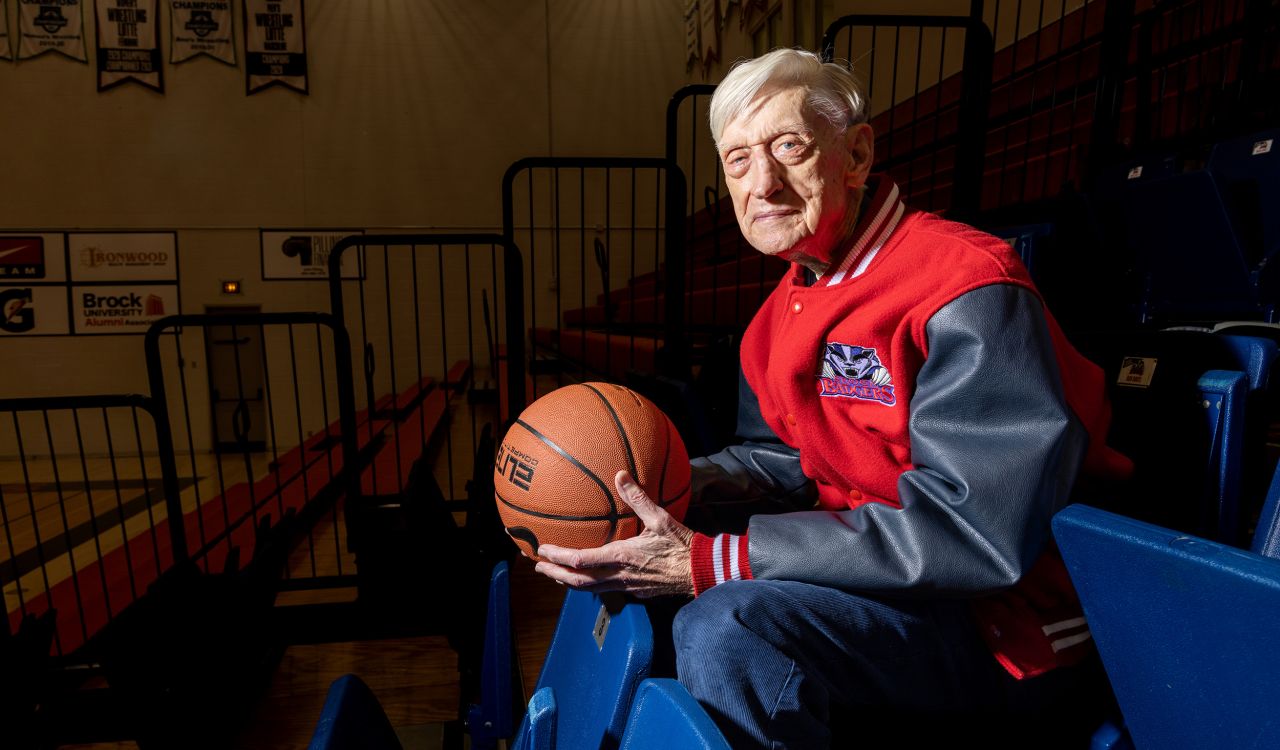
<point>788,147</point>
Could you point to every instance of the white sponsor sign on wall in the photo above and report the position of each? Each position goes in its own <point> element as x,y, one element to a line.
<point>121,309</point>
<point>32,257</point>
<point>33,311</point>
<point>123,256</point>
<point>304,253</point>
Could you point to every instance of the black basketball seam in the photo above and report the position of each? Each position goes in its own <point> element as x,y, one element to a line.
<point>622,433</point>
<point>680,494</point>
<point>554,517</point>
<point>666,458</point>
<point>613,505</point>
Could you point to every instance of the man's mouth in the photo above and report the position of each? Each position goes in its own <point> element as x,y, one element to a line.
<point>774,214</point>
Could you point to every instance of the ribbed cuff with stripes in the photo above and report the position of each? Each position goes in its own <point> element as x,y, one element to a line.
<point>718,559</point>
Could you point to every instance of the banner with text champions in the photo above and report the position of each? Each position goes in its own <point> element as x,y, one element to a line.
<point>50,26</point>
<point>275,45</point>
<point>201,27</point>
<point>128,43</point>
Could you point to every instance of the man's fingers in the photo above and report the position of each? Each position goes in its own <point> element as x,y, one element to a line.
<point>649,513</point>
<point>580,558</point>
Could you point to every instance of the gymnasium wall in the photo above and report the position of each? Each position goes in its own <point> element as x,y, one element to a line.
<point>415,111</point>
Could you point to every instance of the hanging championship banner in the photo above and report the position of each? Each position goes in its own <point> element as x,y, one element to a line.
<point>710,32</point>
<point>275,45</point>
<point>201,27</point>
<point>725,5</point>
<point>128,43</point>
<point>692,24</point>
<point>6,50</point>
<point>50,26</point>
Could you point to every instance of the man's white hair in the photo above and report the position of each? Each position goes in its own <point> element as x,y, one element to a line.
<point>833,92</point>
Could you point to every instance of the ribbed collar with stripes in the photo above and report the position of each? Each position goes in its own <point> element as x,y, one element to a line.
<point>880,216</point>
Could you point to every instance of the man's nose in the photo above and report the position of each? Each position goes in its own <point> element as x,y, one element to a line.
<point>766,175</point>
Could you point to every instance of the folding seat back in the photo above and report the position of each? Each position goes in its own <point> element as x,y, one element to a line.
<point>665,716</point>
<point>601,651</point>
<point>1188,258</point>
<point>1247,170</point>
<point>1185,628</point>
<point>352,719</point>
<point>491,718</point>
<point>1030,242</point>
<point>1266,537</point>
<point>538,732</point>
<point>1177,411</point>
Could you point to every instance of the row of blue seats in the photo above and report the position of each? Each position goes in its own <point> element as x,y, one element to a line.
<point>594,689</point>
<point>593,685</point>
<point>1180,245</point>
<point>1186,628</point>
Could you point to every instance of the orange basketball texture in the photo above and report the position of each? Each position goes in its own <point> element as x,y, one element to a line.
<point>553,473</point>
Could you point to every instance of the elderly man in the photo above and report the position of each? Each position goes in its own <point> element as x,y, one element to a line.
<point>912,418</point>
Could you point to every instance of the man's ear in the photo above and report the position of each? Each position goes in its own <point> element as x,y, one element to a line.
<point>859,142</point>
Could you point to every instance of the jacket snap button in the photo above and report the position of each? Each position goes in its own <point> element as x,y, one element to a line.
<point>855,495</point>
<point>791,420</point>
<point>797,307</point>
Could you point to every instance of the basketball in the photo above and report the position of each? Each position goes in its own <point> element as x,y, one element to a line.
<point>553,473</point>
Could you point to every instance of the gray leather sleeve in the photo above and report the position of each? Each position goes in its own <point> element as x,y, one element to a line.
<point>995,450</point>
<point>762,475</point>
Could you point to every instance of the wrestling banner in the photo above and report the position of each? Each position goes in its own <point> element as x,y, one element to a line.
<point>50,26</point>
<point>6,51</point>
<point>275,45</point>
<point>128,43</point>
<point>201,27</point>
<point>692,25</point>
<point>710,32</point>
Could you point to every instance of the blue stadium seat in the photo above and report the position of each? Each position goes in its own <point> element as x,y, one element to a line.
<point>1266,538</point>
<point>1179,409</point>
<point>1113,182</point>
<point>665,717</point>
<point>1223,399</point>
<point>491,718</point>
<point>599,654</point>
<point>538,732</point>
<point>352,719</point>
<point>1247,170</point>
<point>1028,240</point>
<point>1185,628</point>
<point>1188,257</point>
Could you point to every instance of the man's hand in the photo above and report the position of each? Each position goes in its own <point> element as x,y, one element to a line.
<point>655,563</point>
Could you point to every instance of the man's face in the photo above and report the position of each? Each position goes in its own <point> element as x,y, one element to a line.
<point>791,176</point>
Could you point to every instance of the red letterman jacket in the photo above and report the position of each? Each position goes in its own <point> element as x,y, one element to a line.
<point>963,510</point>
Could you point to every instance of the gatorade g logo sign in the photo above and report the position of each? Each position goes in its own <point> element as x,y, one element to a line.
<point>516,466</point>
<point>16,313</point>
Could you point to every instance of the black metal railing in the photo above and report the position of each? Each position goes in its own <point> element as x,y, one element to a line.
<point>88,506</point>
<point>725,279</point>
<point>267,431</point>
<point>437,322</point>
<point>926,80</point>
<point>1045,105</point>
<point>588,226</point>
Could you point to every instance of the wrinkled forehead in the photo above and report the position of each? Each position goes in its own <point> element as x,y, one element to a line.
<point>774,109</point>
